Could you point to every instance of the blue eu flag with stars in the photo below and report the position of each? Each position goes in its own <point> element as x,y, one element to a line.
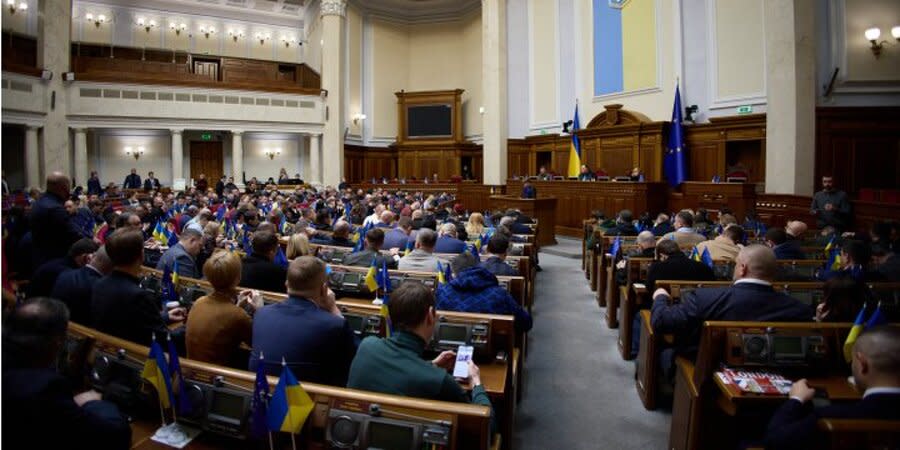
<point>673,163</point>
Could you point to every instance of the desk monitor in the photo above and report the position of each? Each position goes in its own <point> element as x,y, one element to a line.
<point>357,322</point>
<point>603,178</point>
<point>227,411</point>
<point>736,179</point>
<point>452,334</point>
<point>622,178</point>
<point>392,435</point>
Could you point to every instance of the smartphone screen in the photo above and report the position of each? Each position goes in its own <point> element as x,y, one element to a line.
<point>463,356</point>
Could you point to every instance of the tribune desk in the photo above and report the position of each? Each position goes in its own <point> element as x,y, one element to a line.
<point>541,209</point>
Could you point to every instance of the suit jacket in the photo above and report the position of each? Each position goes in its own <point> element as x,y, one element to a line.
<point>337,242</point>
<point>93,186</point>
<point>622,229</point>
<point>497,266</point>
<point>791,249</point>
<point>519,228</point>
<point>186,265</point>
<point>418,260</point>
<point>132,181</point>
<point>396,238</point>
<point>364,259</point>
<point>447,244</point>
<point>678,267</point>
<point>37,398</point>
<point>684,238</point>
<point>890,269</point>
<point>151,184</point>
<point>45,276</point>
<point>317,345</point>
<point>121,308</point>
<point>741,301</point>
<point>663,229</point>
<point>793,426</point>
<point>720,249</point>
<point>262,274</point>
<point>75,288</point>
<point>52,229</point>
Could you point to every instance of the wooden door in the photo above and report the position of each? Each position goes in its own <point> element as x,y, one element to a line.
<point>206,158</point>
<point>207,69</point>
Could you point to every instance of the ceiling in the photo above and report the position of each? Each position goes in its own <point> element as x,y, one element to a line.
<point>274,12</point>
<point>415,11</point>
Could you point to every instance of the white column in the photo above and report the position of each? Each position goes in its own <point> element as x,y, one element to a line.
<point>315,166</point>
<point>333,12</point>
<point>237,157</point>
<point>54,54</point>
<point>177,157</point>
<point>493,77</point>
<point>791,96</point>
<point>81,162</point>
<point>32,158</point>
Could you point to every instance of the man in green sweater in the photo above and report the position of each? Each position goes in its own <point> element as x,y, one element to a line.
<point>395,366</point>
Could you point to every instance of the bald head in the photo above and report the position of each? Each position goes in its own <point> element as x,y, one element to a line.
<point>58,183</point>
<point>876,358</point>
<point>755,261</point>
<point>795,228</point>
<point>101,262</point>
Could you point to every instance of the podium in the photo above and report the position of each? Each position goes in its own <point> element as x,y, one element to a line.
<point>541,209</point>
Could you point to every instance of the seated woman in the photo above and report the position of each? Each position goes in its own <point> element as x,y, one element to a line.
<point>298,245</point>
<point>218,322</point>
<point>475,225</point>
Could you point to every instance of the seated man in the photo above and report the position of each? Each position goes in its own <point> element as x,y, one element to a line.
<point>624,225</point>
<point>876,373</point>
<point>422,258</point>
<point>401,236</point>
<point>855,259</point>
<point>118,304</point>
<point>776,238</point>
<point>528,190</point>
<point>496,264</point>
<point>672,264</point>
<point>750,298</point>
<point>188,247</point>
<point>395,365</point>
<point>76,287</point>
<point>258,270</point>
<point>374,240</point>
<point>887,262</point>
<point>340,237</point>
<point>45,276</point>
<point>795,229</point>
<point>646,243</point>
<point>307,330</point>
<point>724,247</point>
<point>661,225</point>
<point>684,233</point>
<point>447,242</point>
<point>35,396</point>
<point>474,289</point>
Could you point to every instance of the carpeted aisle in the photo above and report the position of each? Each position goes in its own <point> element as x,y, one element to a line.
<point>579,393</point>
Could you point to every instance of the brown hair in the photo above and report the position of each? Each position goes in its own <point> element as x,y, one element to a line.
<point>223,270</point>
<point>305,274</point>
<point>409,305</point>
<point>125,246</point>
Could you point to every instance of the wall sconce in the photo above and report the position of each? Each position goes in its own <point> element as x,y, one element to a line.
<point>147,25</point>
<point>13,8</point>
<point>895,32</point>
<point>99,20</point>
<point>272,152</point>
<point>872,35</point>
<point>134,152</point>
<point>263,38</point>
<point>206,31</point>
<point>288,40</point>
<point>235,34</point>
<point>177,28</point>
<point>481,110</point>
<point>358,117</point>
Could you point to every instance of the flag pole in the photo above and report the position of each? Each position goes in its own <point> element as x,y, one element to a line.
<point>162,413</point>
<point>174,406</point>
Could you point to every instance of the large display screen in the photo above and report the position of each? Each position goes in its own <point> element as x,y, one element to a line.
<point>429,120</point>
<point>387,436</point>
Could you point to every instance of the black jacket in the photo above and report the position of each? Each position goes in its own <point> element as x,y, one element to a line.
<point>41,414</point>
<point>151,184</point>
<point>93,186</point>
<point>132,181</point>
<point>52,229</point>
<point>790,249</point>
<point>45,276</point>
<point>262,274</point>
<point>364,259</point>
<point>121,308</point>
<point>677,267</point>
<point>75,288</point>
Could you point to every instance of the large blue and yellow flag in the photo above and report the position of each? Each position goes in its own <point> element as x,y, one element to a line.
<point>290,404</point>
<point>575,147</point>
<point>371,282</point>
<point>854,333</point>
<point>440,274</point>
<point>156,372</point>
<point>706,258</point>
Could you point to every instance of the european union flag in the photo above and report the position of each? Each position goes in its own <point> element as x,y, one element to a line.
<point>260,401</point>
<point>877,318</point>
<point>220,214</point>
<point>280,258</point>
<point>706,258</point>
<point>184,403</point>
<point>448,274</point>
<point>248,249</point>
<point>616,245</point>
<point>172,237</point>
<point>673,163</point>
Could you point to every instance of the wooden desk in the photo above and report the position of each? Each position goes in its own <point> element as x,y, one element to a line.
<point>739,197</point>
<point>542,209</point>
<point>731,399</point>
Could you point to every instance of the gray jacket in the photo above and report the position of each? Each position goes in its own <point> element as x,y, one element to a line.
<point>419,260</point>
<point>186,265</point>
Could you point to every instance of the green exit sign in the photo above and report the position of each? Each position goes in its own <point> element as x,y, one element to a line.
<point>746,109</point>
<point>206,137</point>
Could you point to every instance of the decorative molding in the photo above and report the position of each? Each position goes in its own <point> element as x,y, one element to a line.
<point>287,17</point>
<point>845,84</point>
<point>712,67</point>
<point>217,125</point>
<point>410,13</point>
<point>32,120</point>
<point>333,8</point>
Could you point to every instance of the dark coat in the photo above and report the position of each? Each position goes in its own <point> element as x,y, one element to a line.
<point>75,288</point>
<point>151,184</point>
<point>262,274</point>
<point>121,308</point>
<point>447,244</point>
<point>790,249</point>
<point>364,259</point>
<point>497,266</point>
<point>677,267</point>
<point>132,181</point>
<point>52,229</point>
<point>93,186</point>
<point>45,276</point>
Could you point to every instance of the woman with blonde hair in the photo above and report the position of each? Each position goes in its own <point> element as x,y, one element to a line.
<point>221,321</point>
<point>475,225</point>
<point>298,245</point>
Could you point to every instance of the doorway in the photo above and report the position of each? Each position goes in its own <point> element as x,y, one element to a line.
<point>206,158</point>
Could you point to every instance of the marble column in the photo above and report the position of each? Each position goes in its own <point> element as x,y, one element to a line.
<point>81,162</point>
<point>177,157</point>
<point>32,158</point>
<point>791,96</point>
<point>315,165</point>
<point>237,157</point>
<point>333,23</point>
<point>493,78</point>
<point>54,50</point>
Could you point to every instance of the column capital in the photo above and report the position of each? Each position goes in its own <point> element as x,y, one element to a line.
<point>79,129</point>
<point>176,130</point>
<point>29,127</point>
<point>237,132</point>
<point>333,8</point>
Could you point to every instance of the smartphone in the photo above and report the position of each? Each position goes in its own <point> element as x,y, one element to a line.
<point>463,356</point>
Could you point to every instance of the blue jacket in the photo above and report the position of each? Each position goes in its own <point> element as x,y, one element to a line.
<point>447,244</point>
<point>45,276</point>
<point>497,266</point>
<point>75,288</point>
<point>789,250</point>
<point>477,290</point>
<point>317,345</point>
<point>395,238</point>
<point>52,229</point>
<point>529,192</point>
<point>186,265</point>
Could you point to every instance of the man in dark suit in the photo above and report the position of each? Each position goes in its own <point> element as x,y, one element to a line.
<point>118,304</point>
<point>220,186</point>
<point>184,253</point>
<point>876,373</point>
<point>496,264</point>
<point>132,181</point>
<point>672,264</point>
<point>259,271</point>
<point>447,241</point>
<point>528,191</point>
<point>52,229</point>
<point>151,183</point>
<point>340,237</point>
<point>93,184</point>
<point>750,298</point>
<point>35,396</point>
<point>76,287</point>
<point>624,225</point>
<point>400,237</point>
<point>307,330</point>
<point>45,276</point>
<point>374,241</point>
<point>783,247</point>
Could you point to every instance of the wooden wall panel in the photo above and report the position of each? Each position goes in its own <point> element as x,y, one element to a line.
<point>723,143</point>
<point>363,163</point>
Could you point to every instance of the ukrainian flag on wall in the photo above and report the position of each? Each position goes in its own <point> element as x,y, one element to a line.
<point>624,45</point>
